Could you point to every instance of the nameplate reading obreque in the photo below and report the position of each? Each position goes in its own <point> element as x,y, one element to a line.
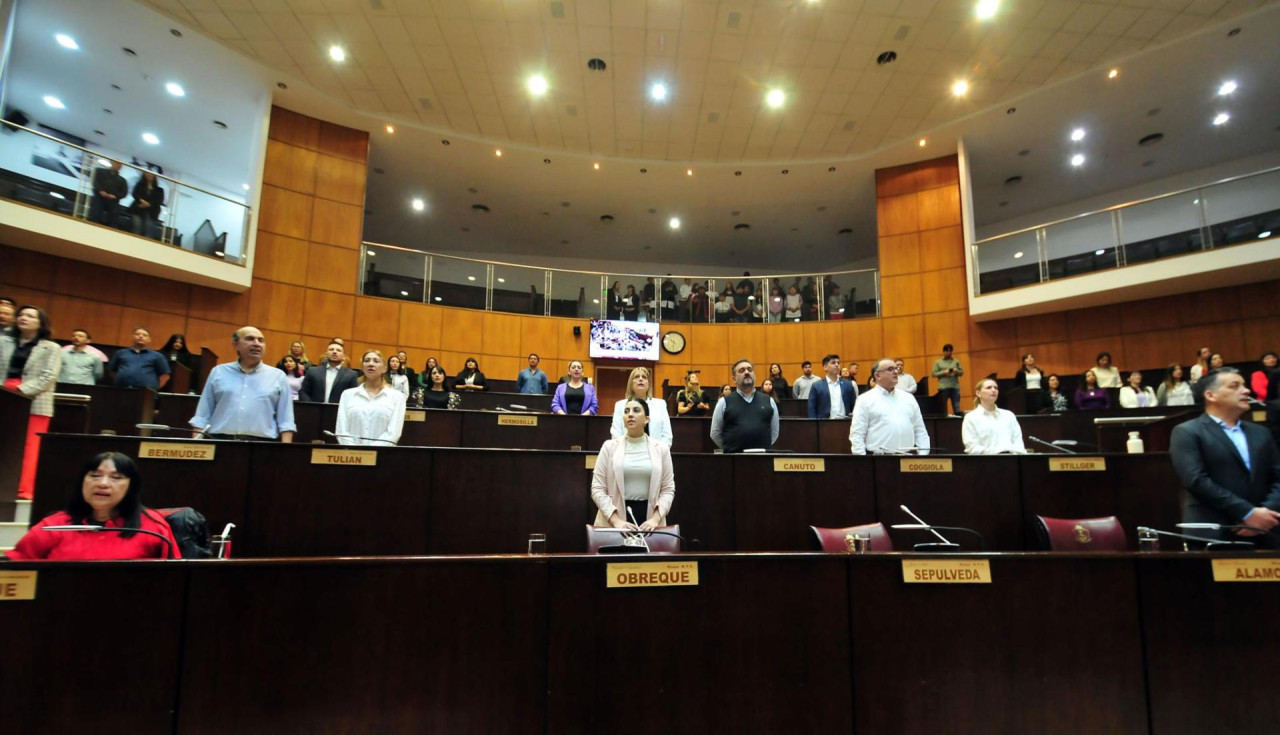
<point>653,574</point>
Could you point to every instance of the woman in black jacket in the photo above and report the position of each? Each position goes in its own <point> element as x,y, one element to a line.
<point>148,199</point>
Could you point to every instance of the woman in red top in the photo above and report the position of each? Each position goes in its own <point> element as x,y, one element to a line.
<point>109,496</point>
<point>1259,380</point>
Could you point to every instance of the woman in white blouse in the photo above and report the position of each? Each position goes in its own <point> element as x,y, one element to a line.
<point>633,473</point>
<point>990,430</point>
<point>638,386</point>
<point>372,413</point>
<point>1175,391</point>
<point>396,375</point>
<point>1135,394</point>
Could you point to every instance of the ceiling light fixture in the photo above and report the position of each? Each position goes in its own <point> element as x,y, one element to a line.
<point>151,138</point>
<point>688,172</point>
<point>674,223</point>
<point>419,205</point>
<point>56,195</point>
<point>391,129</point>
<point>658,92</point>
<point>1227,88</point>
<point>1221,119</point>
<point>1264,235</point>
<point>54,102</point>
<point>960,88</point>
<point>1113,74</point>
<point>502,280</point>
<point>175,89</point>
<point>1077,160</point>
<point>404,293</point>
<point>595,166</point>
<point>245,186</point>
<point>438,299</point>
<point>471,278</point>
<point>986,9</point>
<point>67,42</point>
<point>923,142</point>
<point>337,53</point>
<point>1100,252</point>
<point>775,98</point>
<point>1077,135</point>
<point>498,153</point>
<point>1018,254</point>
<point>537,85</point>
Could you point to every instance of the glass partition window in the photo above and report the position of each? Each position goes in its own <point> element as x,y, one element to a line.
<point>1161,227</point>
<point>575,294</point>
<point>394,274</point>
<point>458,282</point>
<point>1083,245</point>
<point>519,290</point>
<point>1243,210</point>
<point>1009,262</point>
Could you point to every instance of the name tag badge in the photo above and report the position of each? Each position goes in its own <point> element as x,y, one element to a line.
<point>1246,570</point>
<point>946,571</point>
<point>167,450</point>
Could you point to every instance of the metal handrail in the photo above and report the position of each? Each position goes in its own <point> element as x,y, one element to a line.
<point>1127,205</point>
<point>97,154</point>
<point>602,273</point>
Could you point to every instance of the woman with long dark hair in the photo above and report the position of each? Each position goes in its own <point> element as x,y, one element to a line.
<point>175,351</point>
<point>31,363</point>
<point>470,378</point>
<point>293,374</point>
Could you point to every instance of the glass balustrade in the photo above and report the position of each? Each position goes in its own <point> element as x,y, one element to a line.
<point>1235,211</point>
<point>412,275</point>
<point>40,169</point>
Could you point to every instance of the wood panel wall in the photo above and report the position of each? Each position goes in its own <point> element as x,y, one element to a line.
<point>306,281</point>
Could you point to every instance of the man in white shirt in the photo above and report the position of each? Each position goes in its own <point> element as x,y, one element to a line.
<point>905,381</point>
<point>886,420</point>
<point>800,388</point>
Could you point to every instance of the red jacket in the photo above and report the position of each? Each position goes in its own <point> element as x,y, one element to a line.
<point>79,545</point>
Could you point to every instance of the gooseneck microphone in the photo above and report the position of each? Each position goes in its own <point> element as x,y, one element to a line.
<point>173,549</point>
<point>1210,544</point>
<point>1051,445</point>
<point>944,544</point>
<point>1224,527</point>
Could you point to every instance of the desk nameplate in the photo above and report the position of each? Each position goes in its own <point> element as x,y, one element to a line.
<point>412,415</point>
<point>170,450</point>
<point>807,464</point>
<point>17,586</point>
<point>921,464</point>
<point>509,420</point>
<point>653,574</point>
<point>1246,570</point>
<point>946,571</point>
<point>349,457</point>
<point>1077,463</point>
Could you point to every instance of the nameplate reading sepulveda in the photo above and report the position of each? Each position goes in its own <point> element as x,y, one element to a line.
<point>946,571</point>
<point>807,464</point>
<point>17,586</point>
<point>509,420</point>
<point>1077,464</point>
<point>653,574</point>
<point>167,450</point>
<point>919,464</point>
<point>354,457</point>
<point>1246,570</point>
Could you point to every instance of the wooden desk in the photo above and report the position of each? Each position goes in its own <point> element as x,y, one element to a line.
<point>115,409</point>
<point>15,411</point>
<point>487,400</point>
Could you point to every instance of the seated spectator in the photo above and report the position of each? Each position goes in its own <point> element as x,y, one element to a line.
<point>988,429</point>
<point>109,187</point>
<point>638,384</point>
<point>691,401</point>
<point>1107,374</point>
<point>176,352</point>
<point>31,363</point>
<point>437,393</point>
<point>1089,397</point>
<point>148,199</point>
<point>139,366</point>
<point>780,387</point>
<point>575,396</point>
<point>396,375</point>
<point>725,390</point>
<point>633,472</point>
<point>1135,394</point>
<point>470,378</point>
<point>79,365</point>
<point>532,380</point>
<point>1175,391</point>
<point>293,373</point>
<point>110,496</point>
<point>1054,399</point>
<point>1259,381</point>
<point>299,352</point>
<point>372,413</point>
<point>1202,365</point>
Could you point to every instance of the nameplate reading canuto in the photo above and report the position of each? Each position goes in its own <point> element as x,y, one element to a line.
<point>807,464</point>
<point>1246,570</point>
<point>509,420</point>
<point>415,415</point>
<point>1077,464</point>
<point>654,574</point>
<point>17,586</point>
<point>354,457</point>
<point>946,571</point>
<point>161,450</point>
<point>918,464</point>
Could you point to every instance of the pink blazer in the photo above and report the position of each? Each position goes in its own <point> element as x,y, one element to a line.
<point>606,480</point>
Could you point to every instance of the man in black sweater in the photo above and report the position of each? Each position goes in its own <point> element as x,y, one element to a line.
<point>744,419</point>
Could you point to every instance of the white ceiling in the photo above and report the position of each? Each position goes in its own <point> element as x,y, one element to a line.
<point>191,146</point>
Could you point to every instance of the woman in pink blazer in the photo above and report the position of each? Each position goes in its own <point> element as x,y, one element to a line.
<point>633,472</point>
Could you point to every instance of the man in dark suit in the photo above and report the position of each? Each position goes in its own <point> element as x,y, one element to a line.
<point>325,383</point>
<point>1229,467</point>
<point>821,405</point>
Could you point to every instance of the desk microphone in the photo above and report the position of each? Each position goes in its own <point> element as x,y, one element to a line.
<point>166,427</point>
<point>361,438</point>
<point>1052,445</point>
<point>173,549</point>
<point>633,548</point>
<point>1210,544</point>
<point>1224,527</point>
<point>944,545</point>
<point>906,450</point>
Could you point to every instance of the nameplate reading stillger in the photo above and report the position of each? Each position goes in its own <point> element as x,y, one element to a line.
<point>917,464</point>
<point>509,420</point>
<point>804,464</point>
<point>164,450</point>
<point>351,457</point>
<point>1246,570</point>
<point>1077,464</point>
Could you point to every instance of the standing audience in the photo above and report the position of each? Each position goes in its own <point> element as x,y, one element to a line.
<point>32,363</point>
<point>800,389</point>
<point>531,379</point>
<point>176,352</point>
<point>109,187</point>
<point>905,380</point>
<point>1108,375</point>
<point>148,199</point>
<point>947,371</point>
<point>396,376</point>
<point>780,388</point>
<point>691,401</point>
<point>988,429</point>
<point>299,352</point>
<point>1054,399</point>
<point>326,382</point>
<point>372,413</point>
<point>470,378</point>
<point>246,399</point>
<point>293,373</point>
<point>1259,381</point>
<point>887,420</point>
<point>79,365</point>
<point>1202,365</point>
<point>1175,391</point>
<point>139,366</point>
<point>638,386</point>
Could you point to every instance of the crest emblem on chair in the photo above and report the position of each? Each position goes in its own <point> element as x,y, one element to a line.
<point>1082,534</point>
<point>849,543</point>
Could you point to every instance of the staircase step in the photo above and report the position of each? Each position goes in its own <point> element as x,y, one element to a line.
<point>10,533</point>
<point>22,512</point>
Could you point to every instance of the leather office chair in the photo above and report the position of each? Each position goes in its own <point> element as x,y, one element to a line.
<point>840,540</point>
<point>658,543</point>
<point>1081,534</point>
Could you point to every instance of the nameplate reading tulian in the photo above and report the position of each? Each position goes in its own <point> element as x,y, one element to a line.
<point>808,464</point>
<point>946,571</point>
<point>353,457</point>
<point>164,450</point>
<point>1246,570</point>
<point>17,586</point>
<point>1077,464</point>
<point>654,574</point>
<point>509,420</point>
<point>916,464</point>
<point>415,415</point>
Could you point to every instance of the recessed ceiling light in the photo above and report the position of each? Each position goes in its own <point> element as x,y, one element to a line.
<point>337,53</point>
<point>986,9</point>
<point>595,166</point>
<point>688,172</point>
<point>104,162</point>
<point>498,153</point>
<point>1077,159</point>
<point>658,92</point>
<point>960,88</point>
<point>371,253</point>
<point>1113,74</point>
<point>471,278</point>
<point>391,129</point>
<point>1264,235</point>
<point>67,42</point>
<point>1221,119</point>
<point>1018,254</point>
<point>246,187</point>
<point>595,301</point>
<point>54,102</point>
<point>404,293</point>
<point>923,142</point>
<point>537,85</point>
<point>502,280</point>
<point>419,205</point>
<point>674,223</point>
<point>175,89</point>
<point>1100,252</point>
<point>438,299</point>
<point>151,138</point>
<point>1227,88</point>
<point>56,195</point>
<point>1077,135</point>
<point>775,98</point>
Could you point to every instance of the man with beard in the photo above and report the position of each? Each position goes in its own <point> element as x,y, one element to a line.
<point>744,419</point>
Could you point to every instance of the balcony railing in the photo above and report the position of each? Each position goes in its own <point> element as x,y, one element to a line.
<point>413,275</point>
<point>44,171</point>
<point>1233,211</point>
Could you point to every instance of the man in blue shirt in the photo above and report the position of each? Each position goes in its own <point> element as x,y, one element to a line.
<point>246,399</point>
<point>531,379</point>
<point>139,366</point>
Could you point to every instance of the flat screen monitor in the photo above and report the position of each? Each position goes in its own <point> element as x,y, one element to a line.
<point>624,340</point>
